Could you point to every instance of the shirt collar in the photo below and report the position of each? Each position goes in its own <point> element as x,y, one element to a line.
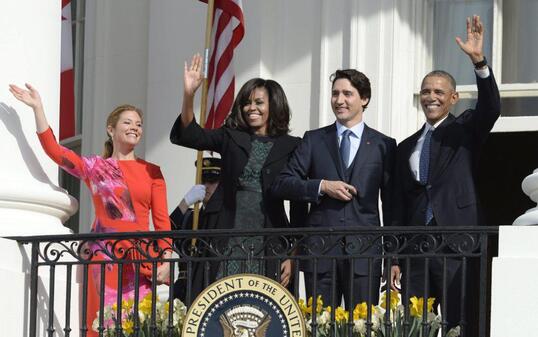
<point>356,130</point>
<point>428,126</point>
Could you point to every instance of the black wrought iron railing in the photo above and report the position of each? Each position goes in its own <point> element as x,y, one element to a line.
<point>460,255</point>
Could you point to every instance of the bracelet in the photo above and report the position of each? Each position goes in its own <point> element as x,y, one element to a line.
<point>481,64</point>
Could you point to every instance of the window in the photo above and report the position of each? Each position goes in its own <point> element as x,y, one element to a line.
<point>509,45</point>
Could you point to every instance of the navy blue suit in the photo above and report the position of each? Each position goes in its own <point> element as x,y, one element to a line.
<point>455,149</point>
<point>317,158</point>
<point>451,189</point>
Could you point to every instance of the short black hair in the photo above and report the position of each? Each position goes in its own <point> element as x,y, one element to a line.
<point>441,73</point>
<point>279,110</point>
<point>357,79</point>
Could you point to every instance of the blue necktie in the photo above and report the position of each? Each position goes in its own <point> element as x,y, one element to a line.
<point>345,148</point>
<point>424,170</point>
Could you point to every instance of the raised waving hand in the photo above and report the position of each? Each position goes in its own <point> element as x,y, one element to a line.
<point>30,96</point>
<point>473,46</point>
<point>193,76</point>
<point>192,79</point>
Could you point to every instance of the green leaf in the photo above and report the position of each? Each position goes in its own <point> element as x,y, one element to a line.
<point>433,332</point>
<point>413,330</point>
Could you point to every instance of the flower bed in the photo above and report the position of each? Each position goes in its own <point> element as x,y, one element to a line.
<point>379,326</point>
<point>416,325</point>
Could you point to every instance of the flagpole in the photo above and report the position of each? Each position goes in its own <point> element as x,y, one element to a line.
<point>203,105</point>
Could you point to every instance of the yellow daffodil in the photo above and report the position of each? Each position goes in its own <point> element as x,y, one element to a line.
<point>308,308</point>
<point>128,326</point>
<point>166,307</point>
<point>341,315</point>
<point>127,304</point>
<point>319,304</point>
<point>145,305</point>
<point>417,305</point>
<point>394,300</point>
<point>361,311</point>
<point>303,307</point>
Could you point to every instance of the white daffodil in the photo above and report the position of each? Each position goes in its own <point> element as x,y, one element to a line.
<point>95,324</point>
<point>359,325</point>
<point>376,323</point>
<point>324,318</point>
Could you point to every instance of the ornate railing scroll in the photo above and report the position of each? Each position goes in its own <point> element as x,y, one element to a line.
<point>215,248</point>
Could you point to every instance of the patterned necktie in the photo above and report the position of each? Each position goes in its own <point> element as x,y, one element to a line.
<point>424,170</point>
<point>345,147</point>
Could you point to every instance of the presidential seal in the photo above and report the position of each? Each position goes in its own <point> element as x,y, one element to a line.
<point>244,305</point>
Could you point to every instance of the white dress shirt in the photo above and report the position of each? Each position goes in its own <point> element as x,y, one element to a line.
<point>414,159</point>
<point>354,138</point>
<point>354,142</point>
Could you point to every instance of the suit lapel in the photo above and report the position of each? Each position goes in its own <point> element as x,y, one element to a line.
<point>242,139</point>
<point>331,142</point>
<point>282,146</point>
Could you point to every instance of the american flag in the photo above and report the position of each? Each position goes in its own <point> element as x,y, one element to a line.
<point>67,91</point>
<point>228,30</point>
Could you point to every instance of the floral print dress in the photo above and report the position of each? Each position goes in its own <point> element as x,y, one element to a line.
<point>123,193</point>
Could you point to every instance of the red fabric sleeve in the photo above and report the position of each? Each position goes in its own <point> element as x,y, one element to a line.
<point>65,158</point>
<point>159,206</point>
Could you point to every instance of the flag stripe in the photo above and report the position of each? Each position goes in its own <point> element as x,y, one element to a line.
<point>67,76</point>
<point>227,32</point>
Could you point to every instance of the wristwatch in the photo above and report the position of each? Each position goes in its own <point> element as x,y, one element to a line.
<point>481,64</point>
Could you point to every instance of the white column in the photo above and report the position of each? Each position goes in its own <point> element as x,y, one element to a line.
<point>514,280</point>
<point>30,200</point>
<point>515,272</point>
<point>31,203</point>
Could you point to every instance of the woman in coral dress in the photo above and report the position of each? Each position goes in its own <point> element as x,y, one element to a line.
<point>124,189</point>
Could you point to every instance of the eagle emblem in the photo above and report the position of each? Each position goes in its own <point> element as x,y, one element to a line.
<point>244,321</point>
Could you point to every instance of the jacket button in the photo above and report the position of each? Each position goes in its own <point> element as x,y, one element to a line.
<point>342,219</point>
<point>428,187</point>
<point>267,171</point>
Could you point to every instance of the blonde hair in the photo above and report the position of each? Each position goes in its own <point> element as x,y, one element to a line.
<point>112,120</point>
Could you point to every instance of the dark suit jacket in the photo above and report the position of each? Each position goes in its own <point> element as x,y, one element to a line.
<point>455,149</point>
<point>208,220</point>
<point>234,147</point>
<point>318,158</point>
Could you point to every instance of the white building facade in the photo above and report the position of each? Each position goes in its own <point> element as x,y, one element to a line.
<point>133,51</point>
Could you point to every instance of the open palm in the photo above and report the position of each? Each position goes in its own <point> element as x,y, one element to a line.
<point>192,76</point>
<point>473,46</point>
<point>29,97</point>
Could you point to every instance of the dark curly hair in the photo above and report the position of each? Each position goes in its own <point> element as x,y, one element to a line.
<point>357,79</point>
<point>279,111</point>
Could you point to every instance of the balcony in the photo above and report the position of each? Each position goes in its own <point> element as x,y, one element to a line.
<point>59,268</point>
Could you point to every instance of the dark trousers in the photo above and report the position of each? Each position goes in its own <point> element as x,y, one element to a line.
<point>430,271</point>
<point>344,284</point>
<point>196,280</point>
<point>461,307</point>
